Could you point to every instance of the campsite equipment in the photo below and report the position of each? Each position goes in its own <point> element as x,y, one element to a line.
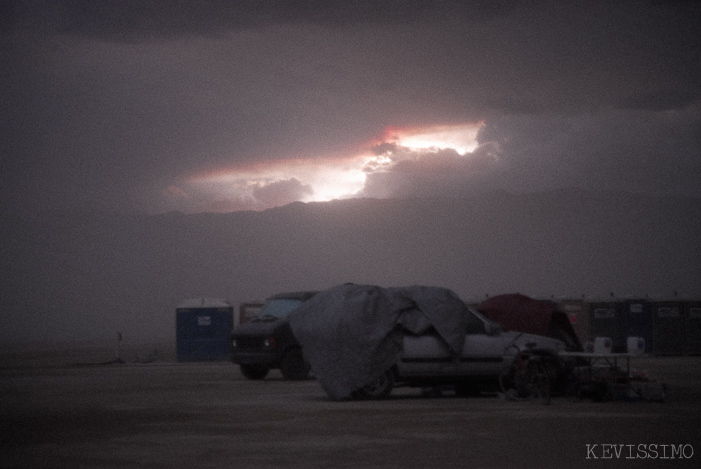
<point>636,345</point>
<point>516,312</point>
<point>602,345</point>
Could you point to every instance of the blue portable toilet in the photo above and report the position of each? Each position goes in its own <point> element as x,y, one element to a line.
<point>203,326</point>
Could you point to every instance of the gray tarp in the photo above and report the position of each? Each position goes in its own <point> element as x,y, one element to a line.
<point>351,334</point>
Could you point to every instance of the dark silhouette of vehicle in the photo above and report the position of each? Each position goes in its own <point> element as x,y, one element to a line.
<point>266,342</point>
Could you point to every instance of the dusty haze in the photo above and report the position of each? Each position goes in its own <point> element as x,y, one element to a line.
<point>88,275</point>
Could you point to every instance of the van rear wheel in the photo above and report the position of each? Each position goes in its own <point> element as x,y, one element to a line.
<point>381,388</point>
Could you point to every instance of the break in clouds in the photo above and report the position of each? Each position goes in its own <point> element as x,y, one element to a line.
<point>120,105</point>
<point>629,150</point>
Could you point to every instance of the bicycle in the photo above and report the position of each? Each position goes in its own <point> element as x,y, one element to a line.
<point>527,377</point>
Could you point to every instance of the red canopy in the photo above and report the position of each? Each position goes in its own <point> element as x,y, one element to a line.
<point>516,312</point>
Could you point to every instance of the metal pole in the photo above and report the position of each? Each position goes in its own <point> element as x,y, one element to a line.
<point>119,341</point>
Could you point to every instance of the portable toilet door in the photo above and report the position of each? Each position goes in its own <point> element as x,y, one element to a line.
<point>669,327</point>
<point>605,321</point>
<point>203,328</point>
<point>637,321</point>
<point>692,327</point>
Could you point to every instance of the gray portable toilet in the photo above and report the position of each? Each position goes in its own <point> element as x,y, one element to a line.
<point>669,326</point>
<point>605,321</point>
<point>203,327</point>
<point>637,321</point>
<point>692,327</point>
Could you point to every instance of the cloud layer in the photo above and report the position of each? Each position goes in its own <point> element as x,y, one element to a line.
<point>109,104</point>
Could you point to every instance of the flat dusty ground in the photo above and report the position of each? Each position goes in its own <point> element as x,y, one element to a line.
<point>54,413</point>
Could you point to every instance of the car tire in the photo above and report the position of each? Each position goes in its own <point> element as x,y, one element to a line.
<point>381,388</point>
<point>467,390</point>
<point>253,372</point>
<point>293,365</point>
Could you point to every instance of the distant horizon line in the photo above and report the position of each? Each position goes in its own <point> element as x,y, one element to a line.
<point>83,209</point>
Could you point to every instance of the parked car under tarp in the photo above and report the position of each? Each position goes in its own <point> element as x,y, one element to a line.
<point>516,312</point>
<point>352,334</point>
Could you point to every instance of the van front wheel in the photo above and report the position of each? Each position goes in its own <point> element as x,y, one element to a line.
<point>253,372</point>
<point>293,365</point>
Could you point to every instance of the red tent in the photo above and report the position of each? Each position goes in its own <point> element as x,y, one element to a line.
<point>516,312</point>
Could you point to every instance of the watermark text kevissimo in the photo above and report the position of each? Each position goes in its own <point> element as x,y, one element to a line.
<point>640,451</point>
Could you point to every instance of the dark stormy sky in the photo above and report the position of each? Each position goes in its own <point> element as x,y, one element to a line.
<point>154,106</point>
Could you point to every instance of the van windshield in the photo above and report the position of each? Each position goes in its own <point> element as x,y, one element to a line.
<point>279,308</point>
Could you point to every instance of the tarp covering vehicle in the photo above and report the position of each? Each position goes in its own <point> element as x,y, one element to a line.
<point>516,312</point>
<point>352,334</point>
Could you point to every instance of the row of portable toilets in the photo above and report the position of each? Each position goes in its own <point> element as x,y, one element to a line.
<point>668,327</point>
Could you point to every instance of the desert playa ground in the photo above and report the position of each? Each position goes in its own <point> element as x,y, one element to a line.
<point>64,405</point>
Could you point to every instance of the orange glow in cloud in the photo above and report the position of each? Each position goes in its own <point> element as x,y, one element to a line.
<point>332,177</point>
<point>175,192</point>
<point>329,178</point>
<point>461,138</point>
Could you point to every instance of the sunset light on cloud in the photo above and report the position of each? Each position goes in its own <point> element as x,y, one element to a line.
<point>263,185</point>
<point>461,138</point>
<point>300,179</point>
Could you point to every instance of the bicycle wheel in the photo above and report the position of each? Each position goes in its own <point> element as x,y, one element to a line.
<point>507,383</point>
<point>537,380</point>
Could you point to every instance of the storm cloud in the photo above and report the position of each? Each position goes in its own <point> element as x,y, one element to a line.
<point>109,104</point>
<point>443,173</point>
